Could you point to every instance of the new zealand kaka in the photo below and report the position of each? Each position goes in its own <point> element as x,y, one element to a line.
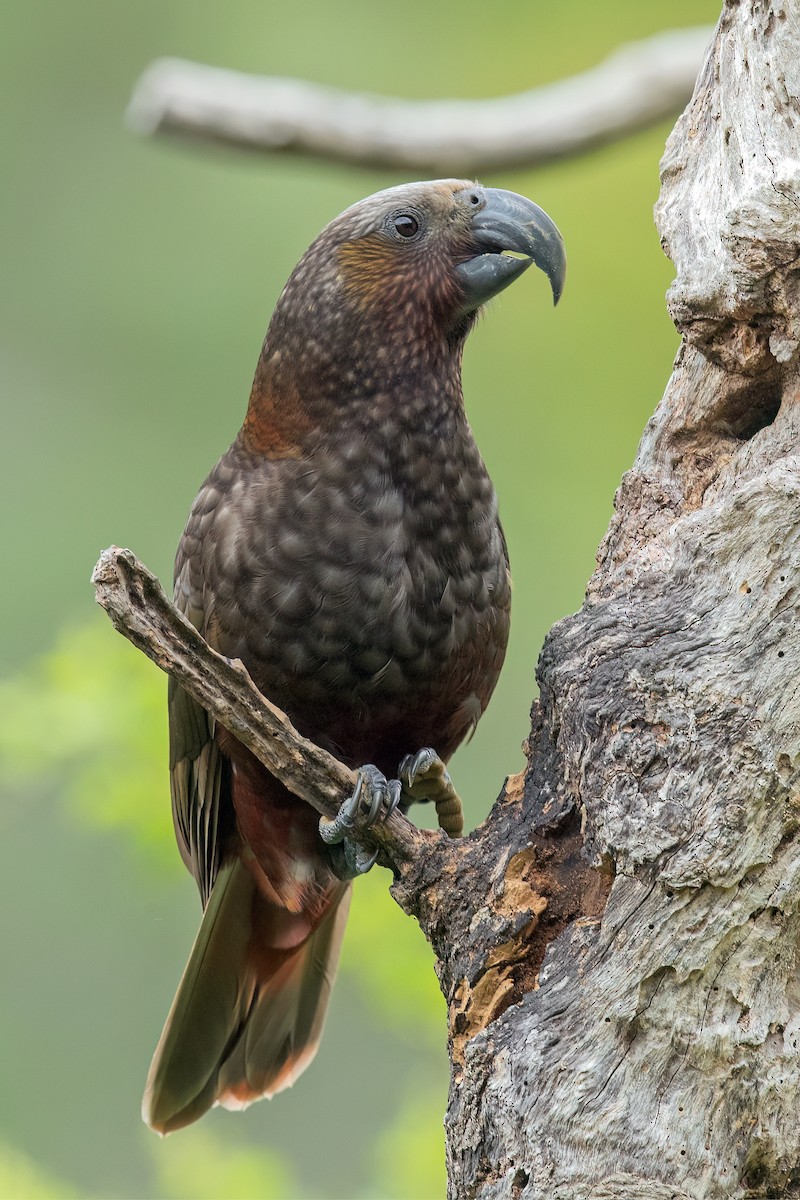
<point>347,549</point>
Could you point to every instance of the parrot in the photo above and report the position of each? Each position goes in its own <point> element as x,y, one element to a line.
<point>347,549</point>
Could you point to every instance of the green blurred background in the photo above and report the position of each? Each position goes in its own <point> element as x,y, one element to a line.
<point>138,281</point>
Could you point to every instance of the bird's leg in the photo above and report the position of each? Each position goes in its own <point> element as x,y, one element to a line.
<point>424,777</point>
<point>376,797</point>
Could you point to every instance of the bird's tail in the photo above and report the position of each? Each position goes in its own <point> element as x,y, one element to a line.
<point>248,1015</point>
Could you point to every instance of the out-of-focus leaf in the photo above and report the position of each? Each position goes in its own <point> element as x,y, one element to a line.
<point>388,955</point>
<point>23,1179</point>
<point>408,1159</point>
<point>89,718</point>
<point>197,1166</point>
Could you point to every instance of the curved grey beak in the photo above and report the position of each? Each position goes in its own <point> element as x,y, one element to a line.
<point>508,222</point>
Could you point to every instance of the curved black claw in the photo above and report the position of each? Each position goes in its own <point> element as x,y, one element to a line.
<point>349,860</point>
<point>415,765</point>
<point>377,795</point>
<point>424,777</point>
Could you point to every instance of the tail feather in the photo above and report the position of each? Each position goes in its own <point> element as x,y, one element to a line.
<point>248,1016</point>
<point>285,1024</point>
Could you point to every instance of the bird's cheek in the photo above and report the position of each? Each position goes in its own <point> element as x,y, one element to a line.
<point>369,274</point>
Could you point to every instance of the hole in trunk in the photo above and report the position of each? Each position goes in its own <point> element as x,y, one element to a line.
<point>521,1180</point>
<point>750,408</point>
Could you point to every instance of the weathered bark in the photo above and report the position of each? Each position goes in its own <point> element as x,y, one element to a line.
<point>655,1053</point>
<point>618,942</point>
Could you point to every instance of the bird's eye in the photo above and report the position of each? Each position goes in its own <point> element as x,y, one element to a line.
<point>406,225</point>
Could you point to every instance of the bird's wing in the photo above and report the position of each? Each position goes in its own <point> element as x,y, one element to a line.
<point>199,772</point>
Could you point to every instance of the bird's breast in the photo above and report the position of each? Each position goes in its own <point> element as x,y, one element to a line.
<point>363,589</point>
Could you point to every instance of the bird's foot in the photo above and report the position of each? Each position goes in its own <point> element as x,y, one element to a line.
<point>374,797</point>
<point>424,777</point>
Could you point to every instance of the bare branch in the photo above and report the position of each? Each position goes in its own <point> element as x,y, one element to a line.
<point>141,612</point>
<point>637,85</point>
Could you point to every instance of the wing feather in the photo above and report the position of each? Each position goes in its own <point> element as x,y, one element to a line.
<point>200,780</point>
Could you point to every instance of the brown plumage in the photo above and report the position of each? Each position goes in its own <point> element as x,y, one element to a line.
<point>347,549</point>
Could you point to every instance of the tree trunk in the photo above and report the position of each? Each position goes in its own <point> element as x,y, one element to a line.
<point>618,943</point>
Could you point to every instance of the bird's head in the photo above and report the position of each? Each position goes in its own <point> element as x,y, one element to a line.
<point>429,252</point>
<point>392,286</point>
<point>438,251</point>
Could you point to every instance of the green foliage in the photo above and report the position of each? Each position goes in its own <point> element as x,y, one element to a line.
<point>408,1158</point>
<point>390,959</point>
<point>88,720</point>
<point>198,1166</point>
<point>23,1179</point>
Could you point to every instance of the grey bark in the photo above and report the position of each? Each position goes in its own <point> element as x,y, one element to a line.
<point>656,1054</point>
